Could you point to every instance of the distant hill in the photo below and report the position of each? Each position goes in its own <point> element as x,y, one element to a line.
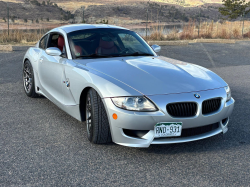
<point>129,11</point>
<point>68,3</point>
<point>75,4</point>
<point>137,13</point>
<point>30,10</point>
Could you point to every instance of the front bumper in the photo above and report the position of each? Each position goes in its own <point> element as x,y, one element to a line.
<point>147,120</point>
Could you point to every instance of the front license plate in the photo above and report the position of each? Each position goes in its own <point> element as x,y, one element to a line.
<point>168,129</point>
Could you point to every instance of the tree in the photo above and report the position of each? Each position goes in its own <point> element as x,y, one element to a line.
<point>43,3</point>
<point>234,8</point>
<point>25,20</point>
<point>65,17</point>
<point>35,2</point>
<point>37,21</point>
<point>48,19</point>
<point>4,19</point>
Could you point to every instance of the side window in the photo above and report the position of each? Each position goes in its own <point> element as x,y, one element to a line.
<point>57,40</point>
<point>53,42</point>
<point>43,42</point>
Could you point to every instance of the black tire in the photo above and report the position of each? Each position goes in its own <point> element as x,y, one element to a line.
<point>98,129</point>
<point>28,80</point>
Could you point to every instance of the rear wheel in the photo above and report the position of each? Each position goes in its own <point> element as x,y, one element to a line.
<point>28,80</point>
<point>98,130</point>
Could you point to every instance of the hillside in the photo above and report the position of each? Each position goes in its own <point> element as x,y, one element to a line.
<point>31,11</point>
<point>137,12</point>
<point>129,11</point>
<point>72,5</point>
<point>78,3</point>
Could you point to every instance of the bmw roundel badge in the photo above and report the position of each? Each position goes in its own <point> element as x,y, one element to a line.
<point>197,96</point>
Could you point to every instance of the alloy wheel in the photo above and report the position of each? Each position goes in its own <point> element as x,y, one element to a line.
<point>88,116</point>
<point>27,78</point>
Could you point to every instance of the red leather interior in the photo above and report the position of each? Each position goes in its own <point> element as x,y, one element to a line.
<point>106,47</point>
<point>60,43</point>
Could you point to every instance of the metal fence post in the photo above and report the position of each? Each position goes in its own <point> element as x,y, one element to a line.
<point>147,25</point>
<point>8,15</point>
<point>243,23</point>
<point>199,23</point>
<point>83,15</point>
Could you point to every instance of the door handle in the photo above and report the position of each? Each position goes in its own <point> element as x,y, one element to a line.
<point>41,60</point>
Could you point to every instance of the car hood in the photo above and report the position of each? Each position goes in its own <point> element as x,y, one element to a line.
<point>156,75</point>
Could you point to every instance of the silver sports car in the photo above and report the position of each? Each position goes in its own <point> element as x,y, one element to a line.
<point>111,78</point>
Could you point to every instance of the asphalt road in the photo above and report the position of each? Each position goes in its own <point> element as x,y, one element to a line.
<point>40,145</point>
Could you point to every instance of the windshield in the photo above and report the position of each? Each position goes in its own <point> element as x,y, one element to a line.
<point>101,43</point>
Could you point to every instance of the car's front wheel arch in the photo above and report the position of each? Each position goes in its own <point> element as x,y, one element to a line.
<point>82,100</point>
<point>82,105</point>
<point>99,118</point>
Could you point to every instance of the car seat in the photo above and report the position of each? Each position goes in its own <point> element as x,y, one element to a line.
<point>106,47</point>
<point>60,43</point>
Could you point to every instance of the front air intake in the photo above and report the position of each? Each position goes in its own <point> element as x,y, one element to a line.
<point>187,109</point>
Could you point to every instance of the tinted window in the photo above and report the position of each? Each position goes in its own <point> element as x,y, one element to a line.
<point>43,42</point>
<point>130,42</point>
<point>94,43</point>
<point>53,42</point>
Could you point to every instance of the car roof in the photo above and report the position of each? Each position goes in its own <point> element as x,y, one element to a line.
<point>76,27</point>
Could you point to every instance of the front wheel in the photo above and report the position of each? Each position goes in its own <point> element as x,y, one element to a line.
<point>28,80</point>
<point>98,130</point>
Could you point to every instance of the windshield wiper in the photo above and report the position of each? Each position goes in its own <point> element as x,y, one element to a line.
<point>93,55</point>
<point>137,54</point>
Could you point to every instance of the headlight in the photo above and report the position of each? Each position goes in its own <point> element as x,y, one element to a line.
<point>141,104</point>
<point>227,88</point>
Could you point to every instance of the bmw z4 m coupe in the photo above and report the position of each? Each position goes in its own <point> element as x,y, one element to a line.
<point>111,78</point>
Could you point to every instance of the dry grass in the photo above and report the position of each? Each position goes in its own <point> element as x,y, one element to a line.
<point>190,3</point>
<point>21,36</point>
<point>74,5</point>
<point>157,34</point>
<point>188,31</point>
<point>173,34</point>
<point>13,1</point>
<point>226,30</point>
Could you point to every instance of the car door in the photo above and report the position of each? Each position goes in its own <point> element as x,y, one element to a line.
<point>51,74</point>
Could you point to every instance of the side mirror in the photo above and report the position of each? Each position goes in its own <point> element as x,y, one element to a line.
<point>156,48</point>
<point>53,51</point>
